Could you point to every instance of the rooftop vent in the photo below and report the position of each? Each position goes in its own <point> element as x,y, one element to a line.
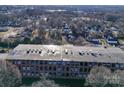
<point>81,53</point>
<point>72,52</point>
<point>48,51</point>
<point>88,53</point>
<point>96,54</point>
<point>36,51</point>
<point>100,54</point>
<point>40,52</point>
<point>28,52</point>
<point>53,51</point>
<point>31,51</point>
<point>66,51</point>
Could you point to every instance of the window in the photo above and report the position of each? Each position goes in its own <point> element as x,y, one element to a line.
<point>49,63</point>
<point>54,63</point>
<point>32,62</point>
<point>45,62</point>
<point>91,64</point>
<point>32,67</point>
<point>59,74</point>
<point>37,62</point>
<point>68,63</point>
<point>37,67</point>
<point>24,74</point>
<point>63,68</point>
<point>59,63</point>
<point>54,68</point>
<point>50,67</point>
<point>23,62</point>
<point>76,74</point>
<point>122,66</point>
<point>85,64</point>
<point>32,74</point>
<point>67,74</point>
<point>88,70</point>
<point>37,74</point>
<point>81,69</point>
<point>107,64</point>
<point>18,62</point>
<point>46,68</point>
<point>63,63</point>
<point>50,73</point>
<point>76,63</point>
<point>54,74</point>
<point>117,65</point>
<point>41,68</point>
<point>28,68</point>
<point>76,69</point>
<point>41,62</point>
<point>113,65</point>
<point>73,74</point>
<point>19,67</point>
<point>67,68</point>
<point>28,74</point>
<point>94,63</point>
<point>23,68</point>
<point>13,62</point>
<point>59,69</point>
<point>27,62</point>
<point>84,75</point>
<point>80,76</point>
<point>72,64</point>
<point>85,70</point>
<point>81,63</point>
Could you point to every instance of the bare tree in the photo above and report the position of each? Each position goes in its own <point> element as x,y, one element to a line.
<point>102,76</point>
<point>98,77</point>
<point>43,82</point>
<point>118,78</point>
<point>9,75</point>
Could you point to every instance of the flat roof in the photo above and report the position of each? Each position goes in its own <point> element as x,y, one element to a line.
<point>67,53</point>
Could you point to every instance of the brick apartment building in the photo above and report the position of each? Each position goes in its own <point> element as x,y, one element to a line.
<point>65,61</point>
